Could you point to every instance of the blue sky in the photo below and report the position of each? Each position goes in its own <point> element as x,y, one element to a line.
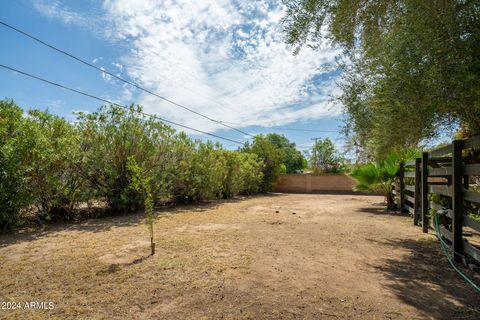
<point>223,58</point>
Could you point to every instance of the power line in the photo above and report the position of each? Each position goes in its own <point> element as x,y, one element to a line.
<point>306,130</point>
<point>119,78</point>
<point>289,129</point>
<point>114,103</point>
<point>223,123</point>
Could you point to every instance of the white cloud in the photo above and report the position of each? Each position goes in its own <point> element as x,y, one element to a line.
<point>222,58</point>
<point>105,75</point>
<point>118,65</point>
<point>55,10</point>
<point>228,62</point>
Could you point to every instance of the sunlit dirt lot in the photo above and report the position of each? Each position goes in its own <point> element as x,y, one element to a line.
<point>265,257</point>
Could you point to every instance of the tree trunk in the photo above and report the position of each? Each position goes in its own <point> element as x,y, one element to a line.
<point>152,246</point>
<point>390,202</point>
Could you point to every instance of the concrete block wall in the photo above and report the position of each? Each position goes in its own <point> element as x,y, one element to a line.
<point>308,183</point>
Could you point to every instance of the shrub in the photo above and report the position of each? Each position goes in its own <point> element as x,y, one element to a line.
<point>38,154</point>
<point>271,157</point>
<point>233,183</point>
<point>118,155</point>
<point>15,146</point>
<point>108,138</point>
<point>140,185</point>
<point>378,176</point>
<point>200,173</point>
<point>252,173</point>
<point>55,181</point>
<point>244,173</point>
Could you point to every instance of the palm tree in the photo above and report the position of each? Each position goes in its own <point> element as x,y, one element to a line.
<point>378,176</point>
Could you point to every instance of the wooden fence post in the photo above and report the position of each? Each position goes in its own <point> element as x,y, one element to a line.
<point>425,192</point>
<point>466,182</point>
<point>417,193</point>
<point>457,199</point>
<point>401,176</point>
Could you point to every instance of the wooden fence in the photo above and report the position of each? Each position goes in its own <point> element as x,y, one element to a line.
<point>444,171</point>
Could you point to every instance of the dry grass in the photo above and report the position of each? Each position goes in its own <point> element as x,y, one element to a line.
<point>336,257</point>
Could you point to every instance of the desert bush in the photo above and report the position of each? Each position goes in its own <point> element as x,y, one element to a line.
<point>111,135</point>
<point>38,157</point>
<point>272,159</point>
<point>205,171</point>
<point>200,173</point>
<point>15,146</point>
<point>140,185</point>
<point>132,161</point>
<point>55,181</point>
<point>252,173</point>
<point>244,173</point>
<point>233,180</point>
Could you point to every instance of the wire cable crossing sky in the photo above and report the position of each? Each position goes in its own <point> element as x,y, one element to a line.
<point>113,103</point>
<point>223,62</point>
<point>104,71</point>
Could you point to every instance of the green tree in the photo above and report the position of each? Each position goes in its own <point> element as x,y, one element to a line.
<point>243,173</point>
<point>270,155</point>
<point>292,157</point>
<point>412,66</point>
<point>325,157</point>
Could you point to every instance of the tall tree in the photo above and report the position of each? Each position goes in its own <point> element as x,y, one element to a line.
<point>292,157</point>
<point>413,66</point>
<point>270,155</point>
<point>325,157</point>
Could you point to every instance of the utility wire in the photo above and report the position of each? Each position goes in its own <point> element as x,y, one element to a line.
<point>295,129</point>
<point>120,78</point>
<point>223,123</point>
<point>114,103</point>
<point>290,129</point>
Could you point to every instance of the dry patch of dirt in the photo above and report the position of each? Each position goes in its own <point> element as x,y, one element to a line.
<point>127,254</point>
<point>266,257</point>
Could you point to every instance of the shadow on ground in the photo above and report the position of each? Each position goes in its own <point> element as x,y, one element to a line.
<point>211,205</point>
<point>52,230</point>
<point>424,280</point>
<point>380,209</point>
<point>111,220</point>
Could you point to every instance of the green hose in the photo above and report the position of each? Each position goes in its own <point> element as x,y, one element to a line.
<point>444,248</point>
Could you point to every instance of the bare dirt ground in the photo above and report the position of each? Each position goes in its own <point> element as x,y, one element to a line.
<point>266,257</point>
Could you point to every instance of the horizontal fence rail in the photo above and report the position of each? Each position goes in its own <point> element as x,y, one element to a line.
<point>444,171</point>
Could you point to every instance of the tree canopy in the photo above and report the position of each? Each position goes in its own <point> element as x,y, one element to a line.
<point>412,67</point>
<point>292,157</point>
<point>325,157</point>
<point>270,155</point>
